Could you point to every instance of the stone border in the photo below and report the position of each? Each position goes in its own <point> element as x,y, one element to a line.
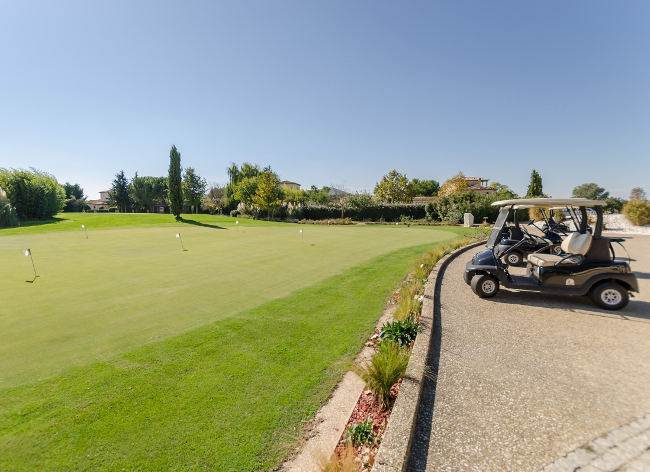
<point>396,445</point>
<point>626,448</point>
<point>329,423</point>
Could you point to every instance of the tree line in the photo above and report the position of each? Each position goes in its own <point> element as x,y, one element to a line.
<point>257,191</point>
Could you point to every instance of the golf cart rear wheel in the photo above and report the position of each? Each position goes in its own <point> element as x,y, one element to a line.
<point>610,295</point>
<point>485,285</point>
<point>514,258</point>
<point>557,250</point>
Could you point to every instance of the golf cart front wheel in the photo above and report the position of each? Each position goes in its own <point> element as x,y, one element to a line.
<point>514,259</point>
<point>485,285</point>
<point>610,295</point>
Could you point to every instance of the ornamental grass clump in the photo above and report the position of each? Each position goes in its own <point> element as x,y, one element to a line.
<point>408,308</point>
<point>385,368</point>
<point>343,463</point>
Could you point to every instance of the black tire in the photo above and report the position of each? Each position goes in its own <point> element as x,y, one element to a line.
<point>514,258</point>
<point>610,295</point>
<point>485,285</point>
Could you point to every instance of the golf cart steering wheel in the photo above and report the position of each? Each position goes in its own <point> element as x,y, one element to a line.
<point>534,237</point>
<point>555,227</point>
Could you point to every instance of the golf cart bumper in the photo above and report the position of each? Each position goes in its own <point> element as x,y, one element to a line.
<point>483,262</point>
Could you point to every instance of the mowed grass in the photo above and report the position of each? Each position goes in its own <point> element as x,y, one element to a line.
<point>128,353</point>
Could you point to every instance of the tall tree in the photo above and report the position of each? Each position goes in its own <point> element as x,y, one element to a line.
<point>454,185</point>
<point>119,193</point>
<point>503,191</point>
<point>147,192</point>
<point>75,200</point>
<point>33,194</point>
<point>194,188</point>
<point>269,194</point>
<point>638,194</point>
<point>425,188</point>
<point>245,189</point>
<point>233,173</point>
<point>394,187</point>
<point>215,200</point>
<point>535,187</point>
<point>174,183</point>
<point>591,191</point>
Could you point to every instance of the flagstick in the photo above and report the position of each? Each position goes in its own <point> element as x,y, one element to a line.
<point>178,235</point>
<point>28,252</point>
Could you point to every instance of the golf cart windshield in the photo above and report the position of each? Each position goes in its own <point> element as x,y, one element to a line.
<point>498,226</point>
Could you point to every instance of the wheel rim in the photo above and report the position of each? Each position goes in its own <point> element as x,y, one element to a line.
<point>488,286</point>
<point>513,259</point>
<point>611,296</point>
<point>557,250</point>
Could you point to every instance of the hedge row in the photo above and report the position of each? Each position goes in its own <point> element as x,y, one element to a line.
<point>386,212</point>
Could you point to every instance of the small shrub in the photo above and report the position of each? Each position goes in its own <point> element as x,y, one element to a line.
<point>235,213</point>
<point>385,368</point>
<point>402,332</point>
<point>638,212</point>
<point>360,433</point>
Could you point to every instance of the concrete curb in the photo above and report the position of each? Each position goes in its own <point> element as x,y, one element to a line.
<point>396,444</point>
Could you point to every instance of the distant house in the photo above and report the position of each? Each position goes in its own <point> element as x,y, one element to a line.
<point>290,185</point>
<point>3,194</point>
<point>102,204</point>
<point>479,185</point>
<point>474,184</point>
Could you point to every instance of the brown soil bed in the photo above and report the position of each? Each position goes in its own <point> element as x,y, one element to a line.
<point>367,407</point>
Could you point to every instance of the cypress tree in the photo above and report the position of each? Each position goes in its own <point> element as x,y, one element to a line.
<point>174,183</point>
<point>535,186</point>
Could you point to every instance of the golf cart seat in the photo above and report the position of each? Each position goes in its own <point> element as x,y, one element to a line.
<point>574,248</point>
<point>516,234</point>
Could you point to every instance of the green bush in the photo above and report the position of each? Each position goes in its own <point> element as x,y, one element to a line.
<point>638,212</point>
<point>360,433</point>
<point>450,208</point>
<point>402,332</point>
<point>235,213</point>
<point>7,213</point>
<point>614,204</point>
<point>386,367</point>
<point>34,194</point>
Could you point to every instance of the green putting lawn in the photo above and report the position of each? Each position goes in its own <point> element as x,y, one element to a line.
<point>130,353</point>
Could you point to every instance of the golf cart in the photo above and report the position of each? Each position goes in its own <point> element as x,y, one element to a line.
<point>586,265</point>
<point>516,242</point>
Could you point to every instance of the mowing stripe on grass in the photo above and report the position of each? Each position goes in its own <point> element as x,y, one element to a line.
<point>231,395</point>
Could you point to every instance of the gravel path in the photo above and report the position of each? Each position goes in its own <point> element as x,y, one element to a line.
<point>524,379</point>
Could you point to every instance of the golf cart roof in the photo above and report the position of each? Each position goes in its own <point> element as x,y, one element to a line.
<point>549,202</point>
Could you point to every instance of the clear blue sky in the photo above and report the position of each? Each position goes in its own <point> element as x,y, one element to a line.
<point>330,92</point>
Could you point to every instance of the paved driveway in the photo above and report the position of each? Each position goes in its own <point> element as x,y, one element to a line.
<point>523,379</point>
